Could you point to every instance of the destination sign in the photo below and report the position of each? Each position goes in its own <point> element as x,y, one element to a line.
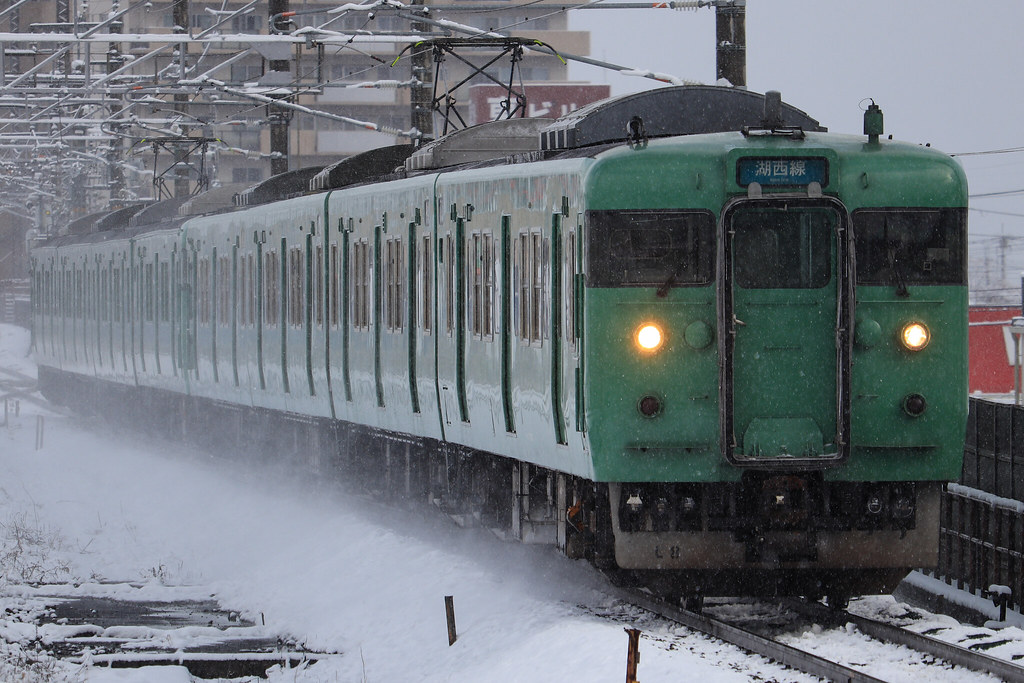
<point>776,171</point>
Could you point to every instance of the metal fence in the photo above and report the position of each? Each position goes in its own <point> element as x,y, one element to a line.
<point>982,530</point>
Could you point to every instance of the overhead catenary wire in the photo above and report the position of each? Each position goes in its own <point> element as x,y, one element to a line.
<point>110,106</point>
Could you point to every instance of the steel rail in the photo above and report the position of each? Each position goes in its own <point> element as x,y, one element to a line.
<point>950,652</point>
<point>751,642</point>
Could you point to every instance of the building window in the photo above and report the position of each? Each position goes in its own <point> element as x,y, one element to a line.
<point>248,23</point>
<point>246,174</point>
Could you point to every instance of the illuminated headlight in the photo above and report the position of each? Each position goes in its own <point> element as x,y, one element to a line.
<point>915,336</point>
<point>649,337</point>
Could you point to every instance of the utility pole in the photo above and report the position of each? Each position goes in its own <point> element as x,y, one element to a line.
<point>115,174</point>
<point>181,25</point>
<point>421,94</point>
<point>731,41</point>
<point>279,117</point>
<point>62,18</point>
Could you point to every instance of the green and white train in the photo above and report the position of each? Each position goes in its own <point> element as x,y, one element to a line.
<point>687,333</point>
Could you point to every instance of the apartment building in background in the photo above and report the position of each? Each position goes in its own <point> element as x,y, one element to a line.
<point>238,128</point>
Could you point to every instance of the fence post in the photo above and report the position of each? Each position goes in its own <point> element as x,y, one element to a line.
<point>449,608</point>
<point>39,432</point>
<point>633,654</point>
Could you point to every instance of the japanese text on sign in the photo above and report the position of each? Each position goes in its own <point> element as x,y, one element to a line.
<point>782,171</point>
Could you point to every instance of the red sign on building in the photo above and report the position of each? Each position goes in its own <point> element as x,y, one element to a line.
<point>542,100</point>
<point>990,349</point>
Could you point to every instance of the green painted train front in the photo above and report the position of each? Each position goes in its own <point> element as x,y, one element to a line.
<point>775,348</point>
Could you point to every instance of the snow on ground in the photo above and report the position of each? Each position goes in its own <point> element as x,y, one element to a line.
<point>336,571</point>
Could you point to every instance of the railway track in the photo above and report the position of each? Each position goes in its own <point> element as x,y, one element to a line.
<point>15,384</point>
<point>810,663</point>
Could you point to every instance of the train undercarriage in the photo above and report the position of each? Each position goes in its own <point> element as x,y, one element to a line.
<point>768,534</point>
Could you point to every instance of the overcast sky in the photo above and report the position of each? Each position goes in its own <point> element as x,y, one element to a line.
<point>945,72</point>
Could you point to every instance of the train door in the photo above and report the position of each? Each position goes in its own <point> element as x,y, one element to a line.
<point>784,305</point>
<point>557,412</point>
<point>506,324</point>
<point>576,308</point>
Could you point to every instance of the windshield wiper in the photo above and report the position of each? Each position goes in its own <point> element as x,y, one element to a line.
<point>667,285</point>
<point>896,269</point>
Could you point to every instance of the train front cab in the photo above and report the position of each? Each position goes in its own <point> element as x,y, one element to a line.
<point>803,450</point>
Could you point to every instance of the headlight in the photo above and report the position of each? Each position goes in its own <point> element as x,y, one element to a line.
<point>915,336</point>
<point>649,337</point>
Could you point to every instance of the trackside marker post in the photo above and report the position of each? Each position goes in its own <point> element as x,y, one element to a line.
<point>449,608</point>
<point>632,655</point>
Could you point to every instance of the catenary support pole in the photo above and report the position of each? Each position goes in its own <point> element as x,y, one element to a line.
<point>279,117</point>
<point>421,99</point>
<point>731,42</point>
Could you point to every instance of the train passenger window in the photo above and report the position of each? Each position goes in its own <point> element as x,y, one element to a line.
<point>224,285</point>
<point>104,295</point>
<point>271,287</point>
<point>78,294</point>
<point>118,292</point>
<point>782,248</point>
<point>651,248</point>
<point>296,303</point>
<point>427,264</point>
<point>68,295</point>
<point>204,292</point>
<point>245,287</point>
<point>910,246</point>
<point>448,250</point>
<point>481,289</point>
<point>147,284</point>
<point>334,287</point>
<point>361,285</point>
<point>394,266</point>
<point>539,249</point>
<point>530,281</point>
<point>570,287</point>
<point>165,293</point>
<point>318,287</point>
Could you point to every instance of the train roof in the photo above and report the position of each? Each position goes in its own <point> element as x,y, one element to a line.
<point>586,132</point>
<point>665,112</point>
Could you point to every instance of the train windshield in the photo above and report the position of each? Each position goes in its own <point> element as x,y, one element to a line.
<point>651,248</point>
<point>783,247</point>
<point>909,246</point>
